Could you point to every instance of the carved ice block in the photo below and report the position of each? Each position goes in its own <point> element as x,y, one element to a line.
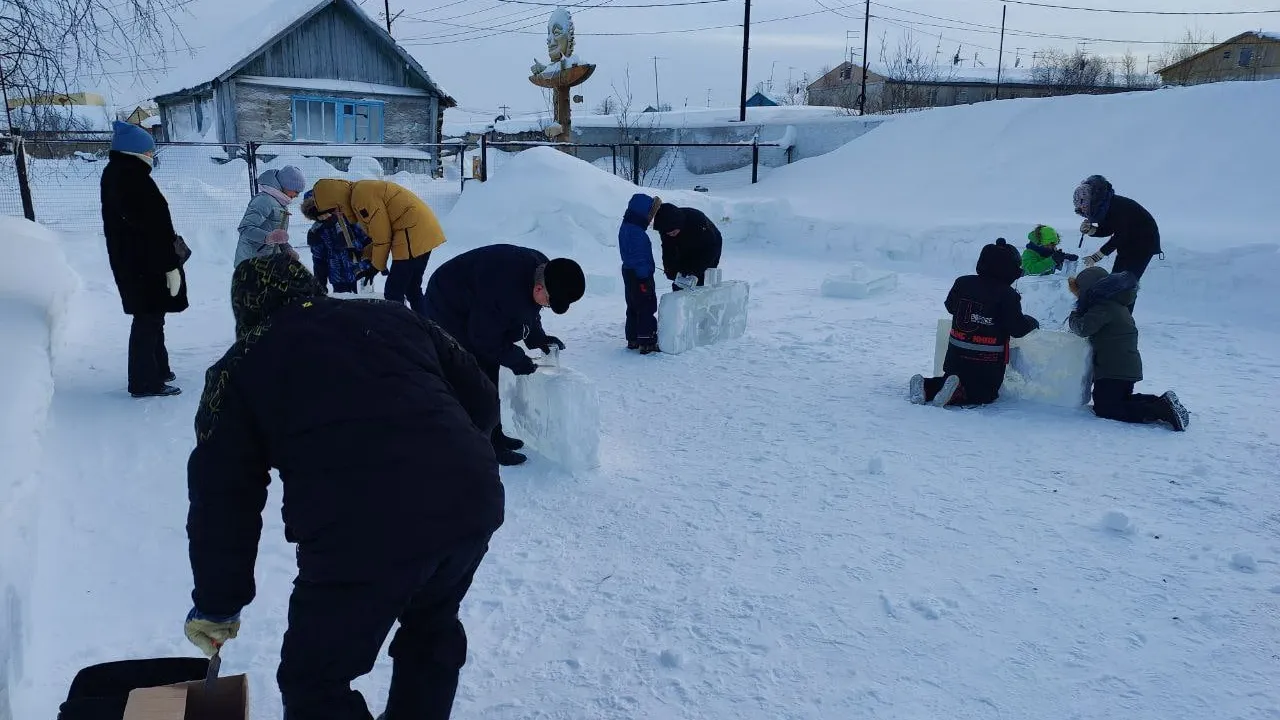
<point>702,316</point>
<point>860,283</point>
<point>1054,367</point>
<point>556,412</point>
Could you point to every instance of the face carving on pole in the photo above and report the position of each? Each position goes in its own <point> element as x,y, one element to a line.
<point>560,35</point>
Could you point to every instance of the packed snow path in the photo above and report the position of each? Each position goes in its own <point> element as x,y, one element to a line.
<point>775,532</point>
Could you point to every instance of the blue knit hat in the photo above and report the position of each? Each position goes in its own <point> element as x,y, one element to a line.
<point>291,179</point>
<point>130,138</point>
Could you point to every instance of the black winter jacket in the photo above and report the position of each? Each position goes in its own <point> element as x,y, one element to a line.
<point>140,237</point>
<point>1135,237</point>
<point>484,298</point>
<point>377,421</point>
<point>986,311</point>
<point>695,249</point>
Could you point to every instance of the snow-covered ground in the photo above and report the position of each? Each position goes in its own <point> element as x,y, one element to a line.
<point>774,531</point>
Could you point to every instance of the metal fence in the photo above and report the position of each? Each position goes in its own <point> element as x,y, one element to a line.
<point>208,185</point>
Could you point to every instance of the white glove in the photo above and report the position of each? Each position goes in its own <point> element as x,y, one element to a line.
<point>1088,228</point>
<point>686,281</point>
<point>174,280</point>
<point>1093,259</point>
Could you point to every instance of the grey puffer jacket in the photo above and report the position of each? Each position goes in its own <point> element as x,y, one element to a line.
<point>264,214</point>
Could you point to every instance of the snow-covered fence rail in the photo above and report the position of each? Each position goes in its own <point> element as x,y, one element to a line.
<point>686,166</point>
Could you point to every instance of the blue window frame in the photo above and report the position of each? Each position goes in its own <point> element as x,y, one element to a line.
<point>337,121</point>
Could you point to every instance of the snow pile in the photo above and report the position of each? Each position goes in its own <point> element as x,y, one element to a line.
<point>33,299</point>
<point>931,188</point>
<point>551,201</point>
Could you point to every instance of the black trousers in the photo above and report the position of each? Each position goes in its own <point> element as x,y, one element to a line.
<point>404,281</point>
<point>980,380</point>
<point>495,437</point>
<point>642,306</point>
<point>336,630</point>
<point>1116,400</point>
<point>148,358</point>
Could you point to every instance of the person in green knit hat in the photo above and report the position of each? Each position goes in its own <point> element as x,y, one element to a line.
<point>1042,255</point>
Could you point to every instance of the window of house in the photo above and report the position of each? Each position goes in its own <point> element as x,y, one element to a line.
<point>337,121</point>
<point>1226,55</point>
<point>1246,57</point>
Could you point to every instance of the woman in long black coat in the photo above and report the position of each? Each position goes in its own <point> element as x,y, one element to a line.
<point>141,245</point>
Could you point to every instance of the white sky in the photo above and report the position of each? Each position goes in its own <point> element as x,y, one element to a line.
<point>487,68</point>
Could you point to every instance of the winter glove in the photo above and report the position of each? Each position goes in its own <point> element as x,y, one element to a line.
<point>545,347</point>
<point>1088,228</point>
<point>528,367</point>
<point>209,633</point>
<point>1093,259</point>
<point>686,281</point>
<point>278,237</point>
<point>366,275</point>
<point>1034,323</point>
<point>1059,256</point>
<point>173,279</point>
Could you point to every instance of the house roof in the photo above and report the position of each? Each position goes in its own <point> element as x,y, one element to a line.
<point>1260,34</point>
<point>239,45</point>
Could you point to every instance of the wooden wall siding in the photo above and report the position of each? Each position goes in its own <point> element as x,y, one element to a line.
<point>331,45</point>
<point>266,114</point>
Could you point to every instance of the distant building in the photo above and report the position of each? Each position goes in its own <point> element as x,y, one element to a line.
<point>61,112</point>
<point>311,70</point>
<point>760,100</point>
<point>1253,55</point>
<point>941,88</point>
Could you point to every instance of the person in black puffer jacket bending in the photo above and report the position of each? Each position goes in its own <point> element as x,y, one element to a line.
<point>985,312</point>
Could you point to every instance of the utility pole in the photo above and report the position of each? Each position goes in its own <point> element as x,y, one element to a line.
<point>386,6</point>
<point>866,32</point>
<point>505,109</point>
<point>746,53</point>
<point>1000,58</point>
<point>657,97</point>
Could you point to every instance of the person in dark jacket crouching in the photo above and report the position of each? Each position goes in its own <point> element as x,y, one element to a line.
<point>691,243</point>
<point>491,298</point>
<point>985,312</point>
<point>392,530</point>
<point>142,248</point>
<point>1135,237</point>
<point>1102,315</point>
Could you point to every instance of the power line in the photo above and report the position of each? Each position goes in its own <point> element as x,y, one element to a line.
<point>677,3</point>
<point>526,30</point>
<point>1141,12</point>
<point>1029,33</point>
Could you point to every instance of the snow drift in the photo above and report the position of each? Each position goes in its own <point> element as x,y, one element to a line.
<point>33,300</point>
<point>930,188</point>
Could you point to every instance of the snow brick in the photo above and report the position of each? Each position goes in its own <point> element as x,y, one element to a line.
<point>859,283</point>
<point>556,412</point>
<point>1054,367</point>
<point>702,316</point>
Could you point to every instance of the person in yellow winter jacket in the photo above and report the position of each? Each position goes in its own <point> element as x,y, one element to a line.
<point>400,226</point>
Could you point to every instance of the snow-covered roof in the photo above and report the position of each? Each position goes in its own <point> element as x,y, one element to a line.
<point>239,42</point>
<point>150,122</point>
<point>348,86</point>
<point>1269,35</point>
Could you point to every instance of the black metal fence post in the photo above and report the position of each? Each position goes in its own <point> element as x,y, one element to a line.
<point>635,162</point>
<point>484,157</point>
<point>251,158</point>
<point>755,159</point>
<point>24,181</point>
<point>614,150</point>
<point>462,170</point>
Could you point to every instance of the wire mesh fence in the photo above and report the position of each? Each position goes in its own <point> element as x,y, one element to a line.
<point>208,186</point>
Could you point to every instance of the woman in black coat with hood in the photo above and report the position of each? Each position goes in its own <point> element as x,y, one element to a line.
<point>143,250</point>
<point>985,312</point>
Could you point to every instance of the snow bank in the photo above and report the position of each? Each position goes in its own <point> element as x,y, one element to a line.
<point>548,200</point>
<point>33,300</point>
<point>930,188</point>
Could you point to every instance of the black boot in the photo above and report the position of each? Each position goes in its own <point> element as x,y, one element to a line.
<point>502,441</point>
<point>162,391</point>
<point>1178,416</point>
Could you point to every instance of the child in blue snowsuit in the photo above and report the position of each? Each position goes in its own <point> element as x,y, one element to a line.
<point>337,248</point>
<point>637,273</point>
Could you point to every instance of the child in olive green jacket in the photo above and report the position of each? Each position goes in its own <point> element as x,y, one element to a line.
<point>1102,315</point>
